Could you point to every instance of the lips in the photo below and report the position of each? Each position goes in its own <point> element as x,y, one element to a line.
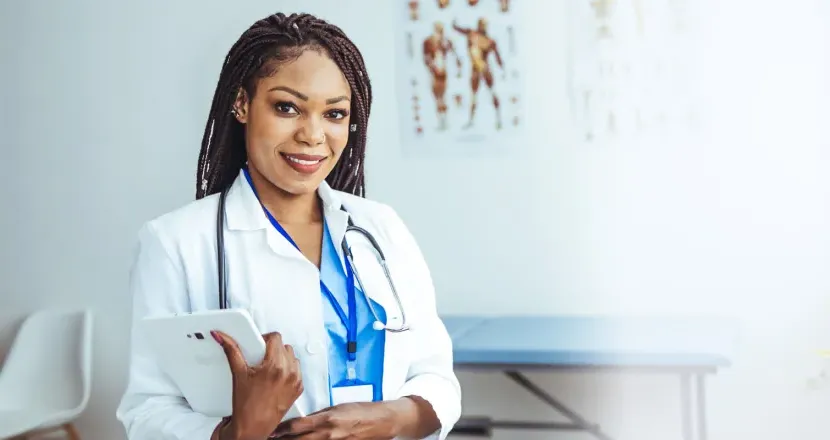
<point>303,163</point>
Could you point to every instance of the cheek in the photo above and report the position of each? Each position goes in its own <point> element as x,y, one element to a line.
<point>338,137</point>
<point>268,131</point>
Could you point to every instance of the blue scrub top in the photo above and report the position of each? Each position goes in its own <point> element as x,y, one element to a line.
<point>370,342</point>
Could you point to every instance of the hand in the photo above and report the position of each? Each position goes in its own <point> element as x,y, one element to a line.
<point>262,394</point>
<point>354,421</point>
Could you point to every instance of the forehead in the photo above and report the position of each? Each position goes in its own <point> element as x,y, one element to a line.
<point>313,74</point>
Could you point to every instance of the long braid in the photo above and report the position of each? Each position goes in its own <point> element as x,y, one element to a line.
<point>261,49</point>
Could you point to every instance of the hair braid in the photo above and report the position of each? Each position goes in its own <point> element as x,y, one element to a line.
<point>268,43</point>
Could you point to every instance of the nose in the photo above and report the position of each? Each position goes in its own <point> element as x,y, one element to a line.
<point>311,132</point>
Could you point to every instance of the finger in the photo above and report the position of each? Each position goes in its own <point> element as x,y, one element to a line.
<point>301,425</point>
<point>324,410</point>
<point>316,435</point>
<point>298,369</point>
<point>291,359</point>
<point>273,343</point>
<point>292,362</point>
<point>232,352</point>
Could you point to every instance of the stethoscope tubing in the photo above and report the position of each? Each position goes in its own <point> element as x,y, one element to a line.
<point>347,252</point>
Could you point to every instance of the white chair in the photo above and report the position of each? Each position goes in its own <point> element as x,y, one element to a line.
<point>46,380</point>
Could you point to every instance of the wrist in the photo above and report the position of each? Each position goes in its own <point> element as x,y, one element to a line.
<point>229,430</point>
<point>414,417</point>
<point>403,415</point>
<point>220,427</point>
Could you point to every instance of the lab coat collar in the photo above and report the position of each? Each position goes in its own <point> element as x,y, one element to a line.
<point>244,213</point>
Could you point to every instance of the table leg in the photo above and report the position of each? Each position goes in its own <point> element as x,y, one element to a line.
<point>686,406</point>
<point>544,396</point>
<point>701,406</point>
<point>693,406</point>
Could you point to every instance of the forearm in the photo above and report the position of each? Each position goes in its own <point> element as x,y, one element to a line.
<point>414,418</point>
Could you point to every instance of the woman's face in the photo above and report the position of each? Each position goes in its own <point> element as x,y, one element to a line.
<point>297,122</point>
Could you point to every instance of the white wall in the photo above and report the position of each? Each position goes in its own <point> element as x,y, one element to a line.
<point>103,111</point>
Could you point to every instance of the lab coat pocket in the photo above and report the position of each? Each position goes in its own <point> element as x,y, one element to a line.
<point>399,354</point>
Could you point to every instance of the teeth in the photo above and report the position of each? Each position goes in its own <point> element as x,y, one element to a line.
<point>302,162</point>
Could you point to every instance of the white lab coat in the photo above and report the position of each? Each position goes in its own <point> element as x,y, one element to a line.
<point>175,271</point>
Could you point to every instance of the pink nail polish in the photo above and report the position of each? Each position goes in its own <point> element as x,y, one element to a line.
<point>216,337</point>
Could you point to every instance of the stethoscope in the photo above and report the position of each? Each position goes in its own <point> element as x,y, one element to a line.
<point>347,252</point>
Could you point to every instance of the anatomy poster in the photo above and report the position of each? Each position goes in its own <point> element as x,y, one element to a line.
<point>459,75</point>
<point>635,69</point>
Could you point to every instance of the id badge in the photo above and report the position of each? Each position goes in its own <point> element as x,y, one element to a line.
<point>351,392</point>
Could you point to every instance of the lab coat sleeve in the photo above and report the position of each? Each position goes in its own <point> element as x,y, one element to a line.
<point>431,375</point>
<point>152,407</point>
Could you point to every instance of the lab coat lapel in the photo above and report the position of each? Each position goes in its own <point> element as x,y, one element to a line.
<point>242,209</point>
<point>336,219</point>
<point>245,213</point>
<point>284,298</point>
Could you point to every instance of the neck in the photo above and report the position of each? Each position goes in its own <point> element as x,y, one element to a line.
<point>287,208</point>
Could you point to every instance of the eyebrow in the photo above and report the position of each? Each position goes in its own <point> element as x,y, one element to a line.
<point>304,97</point>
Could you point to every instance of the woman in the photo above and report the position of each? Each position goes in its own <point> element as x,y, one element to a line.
<point>286,137</point>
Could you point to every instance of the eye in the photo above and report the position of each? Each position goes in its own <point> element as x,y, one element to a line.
<point>337,114</point>
<point>286,107</point>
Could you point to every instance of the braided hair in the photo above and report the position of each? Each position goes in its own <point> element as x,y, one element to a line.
<point>258,53</point>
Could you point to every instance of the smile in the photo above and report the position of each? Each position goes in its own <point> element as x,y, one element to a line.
<point>303,163</point>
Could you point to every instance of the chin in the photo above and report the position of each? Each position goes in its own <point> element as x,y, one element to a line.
<point>299,188</point>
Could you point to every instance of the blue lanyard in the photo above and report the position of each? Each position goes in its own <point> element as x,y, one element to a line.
<point>349,319</point>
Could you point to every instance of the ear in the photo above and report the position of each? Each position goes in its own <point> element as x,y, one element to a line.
<point>240,106</point>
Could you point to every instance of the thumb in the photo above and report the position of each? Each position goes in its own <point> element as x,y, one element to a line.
<point>232,352</point>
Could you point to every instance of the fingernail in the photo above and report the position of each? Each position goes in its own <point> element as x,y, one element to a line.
<point>216,337</point>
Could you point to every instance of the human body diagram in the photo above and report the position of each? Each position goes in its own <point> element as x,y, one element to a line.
<point>479,47</point>
<point>437,49</point>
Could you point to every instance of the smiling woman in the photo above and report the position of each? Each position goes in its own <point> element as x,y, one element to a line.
<point>298,68</point>
<point>282,166</point>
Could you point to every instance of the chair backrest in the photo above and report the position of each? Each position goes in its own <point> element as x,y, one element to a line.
<point>50,361</point>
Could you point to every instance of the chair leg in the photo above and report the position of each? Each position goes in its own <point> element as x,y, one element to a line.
<point>71,432</point>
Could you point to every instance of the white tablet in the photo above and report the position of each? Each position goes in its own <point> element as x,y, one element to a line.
<point>187,352</point>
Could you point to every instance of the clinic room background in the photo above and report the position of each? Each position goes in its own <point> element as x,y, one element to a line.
<point>104,106</point>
